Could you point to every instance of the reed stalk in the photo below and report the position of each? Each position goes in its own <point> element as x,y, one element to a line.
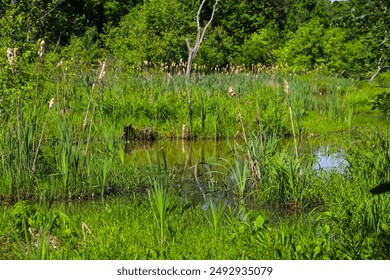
<point>286,92</point>
<point>254,166</point>
<point>88,141</point>
<point>20,146</point>
<point>51,104</point>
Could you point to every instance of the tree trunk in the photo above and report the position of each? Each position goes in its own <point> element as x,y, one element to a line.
<point>380,67</point>
<point>192,51</point>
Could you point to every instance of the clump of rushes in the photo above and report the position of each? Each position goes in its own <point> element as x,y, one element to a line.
<point>214,215</point>
<point>158,198</point>
<point>254,165</point>
<point>239,174</point>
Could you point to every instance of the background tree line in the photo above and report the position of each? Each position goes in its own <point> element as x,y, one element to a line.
<point>349,37</point>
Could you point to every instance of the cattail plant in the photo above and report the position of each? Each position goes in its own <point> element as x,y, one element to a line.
<point>231,91</point>
<point>41,51</point>
<point>286,92</point>
<point>51,103</point>
<point>102,74</point>
<point>11,55</point>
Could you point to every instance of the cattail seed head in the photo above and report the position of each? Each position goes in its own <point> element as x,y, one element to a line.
<point>285,86</point>
<point>51,103</point>
<point>85,121</point>
<point>102,74</point>
<point>10,56</point>
<point>231,91</point>
<point>41,51</point>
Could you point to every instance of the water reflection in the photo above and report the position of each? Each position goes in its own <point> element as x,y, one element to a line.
<point>327,160</point>
<point>200,161</point>
<point>192,160</point>
<point>201,176</point>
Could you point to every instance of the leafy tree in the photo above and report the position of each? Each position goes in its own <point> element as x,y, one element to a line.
<point>215,47</point>
<point>154,32</point>
<point>304,49</point>
<point>303,11</point>
<point>258,48</point>
<point>369,19</point>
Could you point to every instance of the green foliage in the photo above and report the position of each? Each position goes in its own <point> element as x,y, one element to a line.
<point>154,32</point>
<point>349,37</point>
<point>214,48</point>
<point>304,48</point>
<point>258,48</point>
<point>39,231</point>
<point>84,49</point>
<point>243,18</point>
<point>382,103</point>
<point>303,11</point>
<point>336,52</point>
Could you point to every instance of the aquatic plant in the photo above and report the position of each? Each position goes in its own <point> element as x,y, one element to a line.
<point>159,199</point>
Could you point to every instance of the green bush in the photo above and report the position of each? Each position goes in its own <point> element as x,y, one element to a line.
<point>258,48</point>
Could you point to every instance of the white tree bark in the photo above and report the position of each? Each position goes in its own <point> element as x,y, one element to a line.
<point>379,69</point>
<point>192,51</point>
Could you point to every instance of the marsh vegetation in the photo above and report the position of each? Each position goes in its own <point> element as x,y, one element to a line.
<point>73,187</point>
<point>103,158</point>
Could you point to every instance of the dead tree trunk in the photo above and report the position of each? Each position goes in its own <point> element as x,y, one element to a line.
<point>192,51</point>
<point>380,67</point>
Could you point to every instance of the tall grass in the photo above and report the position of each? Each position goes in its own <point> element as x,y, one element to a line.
<point>159,199</point>
<point>70,162</point>
<point>214,215</point>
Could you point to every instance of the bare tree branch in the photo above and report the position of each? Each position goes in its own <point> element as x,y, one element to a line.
<point>192,51</point>
<point>380,67</point>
